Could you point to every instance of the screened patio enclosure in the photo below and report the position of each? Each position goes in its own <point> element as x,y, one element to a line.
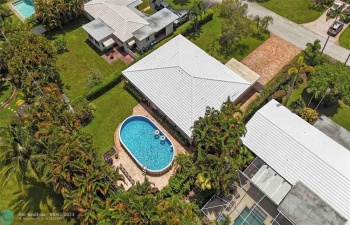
<point>247,203</point>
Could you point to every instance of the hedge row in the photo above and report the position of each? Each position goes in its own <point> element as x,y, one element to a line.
<point>134,92</point>
<point>174,132</point>
<point>282,78</point>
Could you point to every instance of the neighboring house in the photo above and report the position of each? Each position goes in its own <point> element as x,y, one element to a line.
<point>300,176</point>
<point>120,22</point>
<point>180,80</point>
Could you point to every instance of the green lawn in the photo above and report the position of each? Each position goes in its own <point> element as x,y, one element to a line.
<point>212,31</point>
<point>344,39</point>
<point>181,4</point>
<point>111,109</point>
<point>143,5</point>
<point>39,199</point>
<point>81,58</point>
<point>297,11</point>
<point>339,113</point>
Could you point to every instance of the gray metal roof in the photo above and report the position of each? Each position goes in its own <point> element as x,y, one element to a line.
<point>334,131</point>
<point>157,21</point>
<point>303,207</point>
<point>182,80</point>
<point>299,152</point>
<point>98,29</point>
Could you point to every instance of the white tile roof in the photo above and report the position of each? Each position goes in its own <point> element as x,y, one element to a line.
<point>298,151</point>
<point>182,79</point>
<point>117,15</point>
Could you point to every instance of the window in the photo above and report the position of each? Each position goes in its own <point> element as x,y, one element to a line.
<point>147,39</point>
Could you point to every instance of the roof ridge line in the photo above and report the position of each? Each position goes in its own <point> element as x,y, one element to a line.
<point>166,67</point>
<point>205,78</point>
<point>300,143</point>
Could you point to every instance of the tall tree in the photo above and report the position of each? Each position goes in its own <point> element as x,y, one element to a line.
<point>262,23</point>
<point>331,82</point>
<point>196,12</point>
<point>235,23</point>
<point>299,70</point>
<point>312,53</point>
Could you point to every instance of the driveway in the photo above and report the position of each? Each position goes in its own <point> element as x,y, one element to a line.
<point>270,57</point>
<point>297,34</point>
<point>321,25</point>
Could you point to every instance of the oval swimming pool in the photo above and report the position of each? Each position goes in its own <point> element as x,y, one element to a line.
<point>147,144</point>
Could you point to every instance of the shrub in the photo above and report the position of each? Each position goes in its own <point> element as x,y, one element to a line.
<point>84,110</point>
<point>4,13</point>
<point>94,78</point>
<point>279,95</point>
<point>309,115</point>
<point>61,45</point>
<point>296,105</point>
<point>171,128</point>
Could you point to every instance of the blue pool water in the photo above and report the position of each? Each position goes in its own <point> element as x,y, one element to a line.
<point>24,7</point>
<point>137,134</point>
<point>254,218</point>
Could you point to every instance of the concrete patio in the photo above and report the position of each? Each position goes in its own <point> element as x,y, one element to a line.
<point>115,54</point>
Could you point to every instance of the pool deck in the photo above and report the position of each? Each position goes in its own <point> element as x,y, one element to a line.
<point>128,163</point>
<point>14,10</point>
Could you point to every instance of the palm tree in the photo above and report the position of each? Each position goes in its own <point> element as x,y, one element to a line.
<point>203,181</point>
<point>183,161</point>
<point>196,12</point>
<point>300,70</point>
<point>262,23</point>
<point>18,155</point>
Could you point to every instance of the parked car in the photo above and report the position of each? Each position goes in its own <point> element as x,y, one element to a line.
<point>160,4</point>
<point>336,6</point>
<point>335,28</point>
<point>183,17</point>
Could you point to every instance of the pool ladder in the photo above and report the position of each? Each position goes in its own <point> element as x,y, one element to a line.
<point>144,171</point>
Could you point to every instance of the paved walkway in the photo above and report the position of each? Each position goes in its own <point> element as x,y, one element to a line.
<point>296,34</point>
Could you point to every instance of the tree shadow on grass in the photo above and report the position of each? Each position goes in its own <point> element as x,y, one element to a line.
<point>4,88</point>
<point>35,196</point>
<point>230,51</point>
<point>69,27</point>
<point>327,110</point>
<point>195,35</point>
<point>181,2</point>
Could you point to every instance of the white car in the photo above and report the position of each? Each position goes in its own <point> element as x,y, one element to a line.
<point>336,6</point>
